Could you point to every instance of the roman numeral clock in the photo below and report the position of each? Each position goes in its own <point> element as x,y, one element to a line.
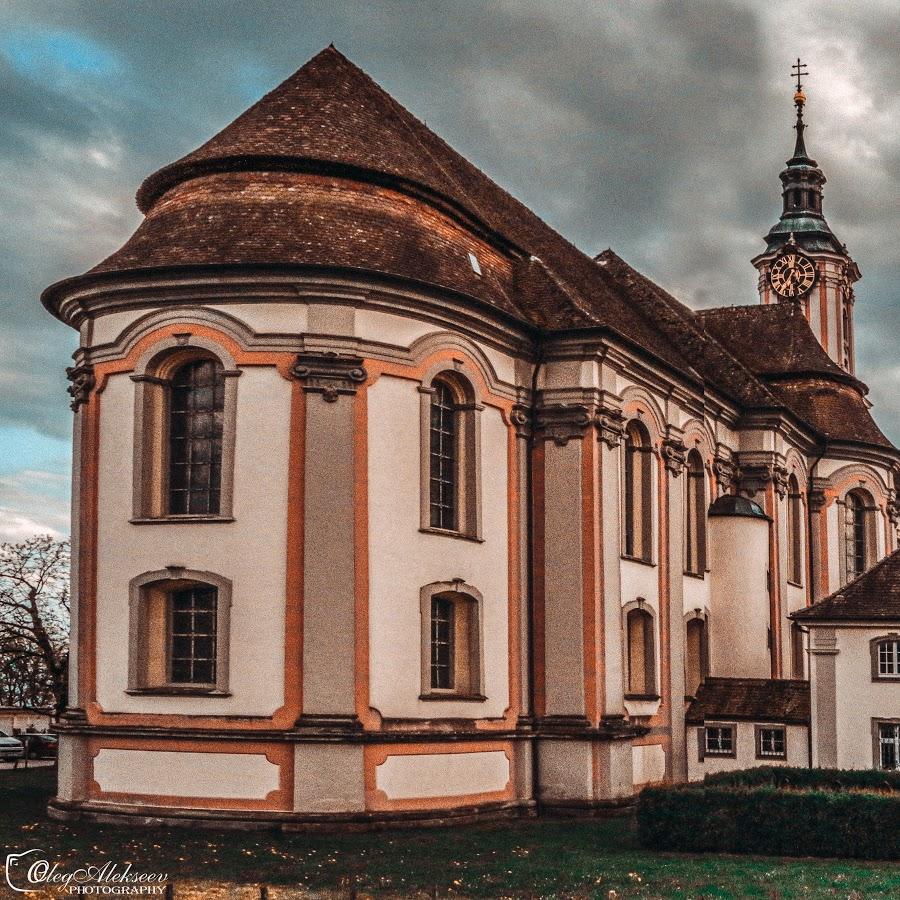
<point>792,274</point>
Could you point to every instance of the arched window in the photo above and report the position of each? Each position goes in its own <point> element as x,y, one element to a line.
<point>451,647</point>
<point>859,536</point>
<point>794,532</point>
<point>637,505</point>
<point>798,655</point>
<point>696,655</point>
<point>444,458</point>
<point>641,653</point>
<point>695,515</point>
<point>179,632</point>
<point>450,470</point>
<point>196,418</point>
<point>185,409</point>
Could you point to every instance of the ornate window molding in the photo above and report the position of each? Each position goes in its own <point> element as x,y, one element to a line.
<point>151,637</point>
<point>154,380</point>
<point>640,651</point>
<point>450,456</point>
<point>452,654</point>
<point>858,522</point>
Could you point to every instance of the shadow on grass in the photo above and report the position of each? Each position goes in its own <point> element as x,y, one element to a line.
<point>546,858</point>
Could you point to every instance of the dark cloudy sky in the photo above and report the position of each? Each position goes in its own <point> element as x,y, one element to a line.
<point>657,128</point>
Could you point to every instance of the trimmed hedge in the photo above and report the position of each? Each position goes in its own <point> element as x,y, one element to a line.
<point>769,821</point>
<point>808,779</point>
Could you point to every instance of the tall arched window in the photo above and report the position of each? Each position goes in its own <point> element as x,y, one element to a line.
<point>450,468</point>
<point>859,536</point>
<point>794,532</point>
<point>444,457</point>
<point>695,515</point>
<point>196,418</point>
<point>637,504</point>
<point>696,655</point>
<point>641,653</point>
<point>184,432</point>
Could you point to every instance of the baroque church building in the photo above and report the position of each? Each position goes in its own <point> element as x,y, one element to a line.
<point>391,504</point>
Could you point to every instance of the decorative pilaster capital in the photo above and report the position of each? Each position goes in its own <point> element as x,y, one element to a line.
<point>329,374</point>
<point>520,416</point>
<point>610,426</point>
<point>781,479</point>
<point>674,454</point>
<point>817,499</point>
<point>562,423</point>
<point>83,381</point>
<point>726,472</point>
<point>893,510</point>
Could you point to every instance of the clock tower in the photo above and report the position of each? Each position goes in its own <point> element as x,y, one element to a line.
<point>804,263</point>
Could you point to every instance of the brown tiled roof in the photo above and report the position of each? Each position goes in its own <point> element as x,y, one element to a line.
<point>329,171</point>
<point>770,339</point>
<point>873,596</point>
<point>753,699</point>
<point>776,343</point>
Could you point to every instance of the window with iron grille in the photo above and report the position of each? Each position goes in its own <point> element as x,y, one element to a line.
<point>192,648</point>
<point>719,740</point>
<point>444,458</point>
<point>443,627</point>
<point>196,416</point>
<point>888,745</point>
<point>770,743</point>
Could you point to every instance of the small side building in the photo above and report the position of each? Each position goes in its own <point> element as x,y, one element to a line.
<point>738,723</point>
<point>18,719</point>
<point>854,654</point>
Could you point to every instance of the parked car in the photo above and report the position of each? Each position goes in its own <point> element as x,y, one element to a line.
<point>40,746</point>
<point>11,749</point>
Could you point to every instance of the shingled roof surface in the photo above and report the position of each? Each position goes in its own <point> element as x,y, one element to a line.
<point>776,343</point>
<point>750,699</point>
<point>328,171</point>
<point>873,596</point>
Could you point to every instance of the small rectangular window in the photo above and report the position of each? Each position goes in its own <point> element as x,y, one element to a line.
<point>770,743</point>
<point>889,658</point>
<point>192,647</point>
<point>888,746</point>
<point>719,740</point>
<point>443,628</point>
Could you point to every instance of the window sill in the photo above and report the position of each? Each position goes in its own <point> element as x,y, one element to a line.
<point>639,561</point>
<point>797,584</point>
<point>446,532</point>
<point>468,698</point>
<point>700,576</point>
<point>715,754</point>
<point>778,757</point>
<point>651,697</point>
<point>180,520</point>
<point>173,691</point>
<point>888,678</point>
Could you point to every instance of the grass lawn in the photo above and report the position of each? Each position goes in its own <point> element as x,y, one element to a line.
<point>522,859</point>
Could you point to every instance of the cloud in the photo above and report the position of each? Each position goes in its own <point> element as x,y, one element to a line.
<point>656,128</point>
<point>33,502</point>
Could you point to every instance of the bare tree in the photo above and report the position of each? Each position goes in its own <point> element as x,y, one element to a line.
<point>34,622</point>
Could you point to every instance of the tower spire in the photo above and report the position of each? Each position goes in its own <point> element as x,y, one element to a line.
<point>798,70</point>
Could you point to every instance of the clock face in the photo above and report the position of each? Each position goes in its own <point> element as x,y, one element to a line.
<point>792,274</point>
